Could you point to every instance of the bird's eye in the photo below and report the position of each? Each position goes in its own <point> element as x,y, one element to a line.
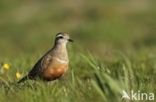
<point>61,37</point>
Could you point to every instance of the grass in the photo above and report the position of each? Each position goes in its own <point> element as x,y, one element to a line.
<point>89,79</point>
<point>114,48</point>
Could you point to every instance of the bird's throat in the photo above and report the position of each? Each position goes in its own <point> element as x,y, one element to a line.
<point>61,51</point>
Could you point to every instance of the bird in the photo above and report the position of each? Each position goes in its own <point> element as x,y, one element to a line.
<point>53,64</point>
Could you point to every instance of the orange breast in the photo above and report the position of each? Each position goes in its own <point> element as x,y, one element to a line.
<point>54,72</point>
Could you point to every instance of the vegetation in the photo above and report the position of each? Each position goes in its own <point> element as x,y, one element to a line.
<point>114,49</point>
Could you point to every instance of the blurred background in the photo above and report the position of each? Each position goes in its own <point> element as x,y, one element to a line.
<point>98,26</point>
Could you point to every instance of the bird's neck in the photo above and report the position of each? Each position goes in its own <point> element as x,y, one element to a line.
<point>60,46</point>
<point>61,51</point>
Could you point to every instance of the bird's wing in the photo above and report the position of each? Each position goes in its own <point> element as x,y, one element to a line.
<point>47,60</point>
<point>35,70</point>
<point>42,64</point>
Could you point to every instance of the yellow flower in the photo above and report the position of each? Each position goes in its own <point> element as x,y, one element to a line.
<point>18,75</point>
<point>6,66</point>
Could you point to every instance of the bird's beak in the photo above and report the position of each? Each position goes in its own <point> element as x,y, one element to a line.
<point>70,40</point>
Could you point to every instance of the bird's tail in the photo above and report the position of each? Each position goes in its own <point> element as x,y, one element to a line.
<point>23,79</point>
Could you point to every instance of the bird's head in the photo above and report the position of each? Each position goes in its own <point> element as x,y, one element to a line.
<point>62,38</point>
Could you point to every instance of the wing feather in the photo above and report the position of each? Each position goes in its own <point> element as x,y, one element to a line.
<point>42,64</point>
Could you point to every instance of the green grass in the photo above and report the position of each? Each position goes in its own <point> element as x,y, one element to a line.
<point>114,48</point>
<point>89,79</point>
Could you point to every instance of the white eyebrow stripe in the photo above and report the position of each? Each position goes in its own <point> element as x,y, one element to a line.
<point>61,61</point>
<point>60,35</point>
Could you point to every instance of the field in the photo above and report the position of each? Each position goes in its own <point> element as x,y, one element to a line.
<point>114,49</point>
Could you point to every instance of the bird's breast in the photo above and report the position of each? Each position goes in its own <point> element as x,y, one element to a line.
<point>54,71</point>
